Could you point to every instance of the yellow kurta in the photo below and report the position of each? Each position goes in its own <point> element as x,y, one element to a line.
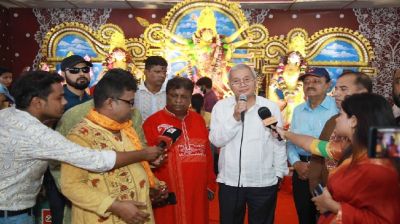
<point>93,193</point>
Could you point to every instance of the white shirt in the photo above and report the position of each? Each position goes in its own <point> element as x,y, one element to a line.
<point>263,156</point>
<point>396,111</point>
<point>148,103</point>
<point>26,145</point>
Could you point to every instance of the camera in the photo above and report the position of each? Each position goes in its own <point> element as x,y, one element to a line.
<point>384,142</point>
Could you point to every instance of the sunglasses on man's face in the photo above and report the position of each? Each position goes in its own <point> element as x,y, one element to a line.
<point>74,70</point>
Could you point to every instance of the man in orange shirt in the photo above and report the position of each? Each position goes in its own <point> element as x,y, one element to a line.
<point>188,171</point>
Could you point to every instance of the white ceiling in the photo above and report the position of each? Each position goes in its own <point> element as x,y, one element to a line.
<point>129,4</point>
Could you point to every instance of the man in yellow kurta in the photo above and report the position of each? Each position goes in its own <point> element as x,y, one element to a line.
<point>103,198</point>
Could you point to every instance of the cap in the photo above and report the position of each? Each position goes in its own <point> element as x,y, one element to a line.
<point>4,90</point>
<point>319,72</point>
<point>73,60</point>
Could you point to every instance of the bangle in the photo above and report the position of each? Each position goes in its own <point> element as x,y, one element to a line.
<point>339,216</point>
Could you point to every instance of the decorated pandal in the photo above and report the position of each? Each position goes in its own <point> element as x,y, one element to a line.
<point>206,38</point>
<point>206,53</point>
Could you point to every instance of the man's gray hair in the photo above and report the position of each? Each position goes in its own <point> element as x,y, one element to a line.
<point>242,66</point>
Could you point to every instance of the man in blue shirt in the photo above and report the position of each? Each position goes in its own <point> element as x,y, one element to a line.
<point>76,71</point>
<point>309,118</point>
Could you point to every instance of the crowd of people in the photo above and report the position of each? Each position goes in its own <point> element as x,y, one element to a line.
<point>108,157</point>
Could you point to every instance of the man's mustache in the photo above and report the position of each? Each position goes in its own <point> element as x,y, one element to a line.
<point>83,78</point>
<point>311,88</point>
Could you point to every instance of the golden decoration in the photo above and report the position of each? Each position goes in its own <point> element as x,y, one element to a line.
<point>102,41</point>
<point>264,51</point>
<point>297,39</point>
<point>117,41</point>
<point>207,52</point>
<point>142,21</point>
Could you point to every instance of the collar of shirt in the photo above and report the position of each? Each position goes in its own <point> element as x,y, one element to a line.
<point>257,104</point>
<point>69,94</point>
<point>73,99</point>
<point>326,104</point>
<point>23,114</point>
<point>142,87</point>
<point>173,115</point>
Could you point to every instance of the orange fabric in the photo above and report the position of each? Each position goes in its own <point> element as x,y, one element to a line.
<point>126,128</point>
<point>367,190</point>
<point>188,171</point>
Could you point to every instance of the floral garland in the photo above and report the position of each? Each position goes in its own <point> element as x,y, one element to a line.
<point>215,51</point>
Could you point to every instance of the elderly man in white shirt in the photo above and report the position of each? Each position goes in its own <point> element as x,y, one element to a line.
<point>151,95</point>
<point>26,145</point>
<point>252,164</point>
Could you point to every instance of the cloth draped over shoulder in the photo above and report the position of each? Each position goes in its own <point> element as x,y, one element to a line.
<point>368,191</point>
<point>93,193</point>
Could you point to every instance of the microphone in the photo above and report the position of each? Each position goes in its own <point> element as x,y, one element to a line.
<point>168,137</point>
<point>268,120</point>
<point>243,98</point>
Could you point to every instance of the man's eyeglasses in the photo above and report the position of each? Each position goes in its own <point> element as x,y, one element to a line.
<point>131,102</point>
<point>76,70</point>
<point>245,81</point>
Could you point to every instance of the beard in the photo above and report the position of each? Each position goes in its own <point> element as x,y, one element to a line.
<point>396,99</point>
<point>81,82</point>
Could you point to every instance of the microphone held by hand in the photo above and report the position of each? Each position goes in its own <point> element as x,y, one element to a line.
<point>168,137</point>
<point>268,120</point>
<point>242,98</point>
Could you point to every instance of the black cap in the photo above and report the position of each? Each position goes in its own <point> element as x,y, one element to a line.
<point>73,60</point>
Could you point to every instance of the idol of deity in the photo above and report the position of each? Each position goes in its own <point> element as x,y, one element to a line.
<point>208,53</point>
<point>285,89</point>
<point>119,57</point>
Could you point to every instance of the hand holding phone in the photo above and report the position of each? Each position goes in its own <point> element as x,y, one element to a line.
<point>318,190</point>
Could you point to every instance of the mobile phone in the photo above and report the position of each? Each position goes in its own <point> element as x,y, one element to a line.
<point>171,200</point>
<point>317,190</point>
<point>384,142</point>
